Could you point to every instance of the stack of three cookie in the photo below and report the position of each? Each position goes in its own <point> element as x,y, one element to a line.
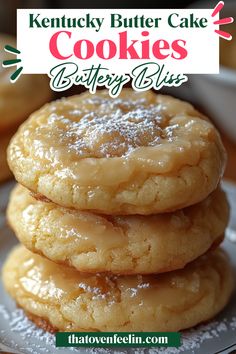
<point>122,205</point>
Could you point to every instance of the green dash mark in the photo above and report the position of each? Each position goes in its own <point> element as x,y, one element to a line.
<point>16,74</point>
<point>10,62</point>
<point>8,48</point>
<point>11,49</point>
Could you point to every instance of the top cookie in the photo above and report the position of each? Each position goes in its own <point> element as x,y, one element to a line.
<point>140,153</point>
<point>20,99</point>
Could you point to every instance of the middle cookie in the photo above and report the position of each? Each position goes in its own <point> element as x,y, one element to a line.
<point>118,244</point>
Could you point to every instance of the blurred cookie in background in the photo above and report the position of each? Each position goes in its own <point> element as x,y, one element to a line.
<point>17,101</point>
<point>228,49</point>
<point>5,172</point>
<point>23,97</point>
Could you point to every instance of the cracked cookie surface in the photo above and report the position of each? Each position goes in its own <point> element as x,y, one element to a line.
<point>72,301</point>
<point>128,244</point>
<point>140,153</point>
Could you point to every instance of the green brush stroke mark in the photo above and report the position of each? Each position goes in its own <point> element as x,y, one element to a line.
<point>11,62</point>
<point>16,74</point>
<point>11,49</point>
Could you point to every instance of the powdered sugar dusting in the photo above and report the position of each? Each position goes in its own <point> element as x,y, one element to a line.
<point>111,127</point>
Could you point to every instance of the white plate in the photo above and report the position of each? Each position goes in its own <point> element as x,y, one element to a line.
<point>19,335</point>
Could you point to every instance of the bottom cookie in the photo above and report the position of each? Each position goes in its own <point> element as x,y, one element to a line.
<point>63,299</point>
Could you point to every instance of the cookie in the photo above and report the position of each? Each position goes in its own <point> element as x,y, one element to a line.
<point>128,244</point>
<point>5,172</point>
<point>72,301</point>
<point>140,153</point>
<point>23,97</point>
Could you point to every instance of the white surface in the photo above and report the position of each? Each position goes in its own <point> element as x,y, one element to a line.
<point>19,335</point>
